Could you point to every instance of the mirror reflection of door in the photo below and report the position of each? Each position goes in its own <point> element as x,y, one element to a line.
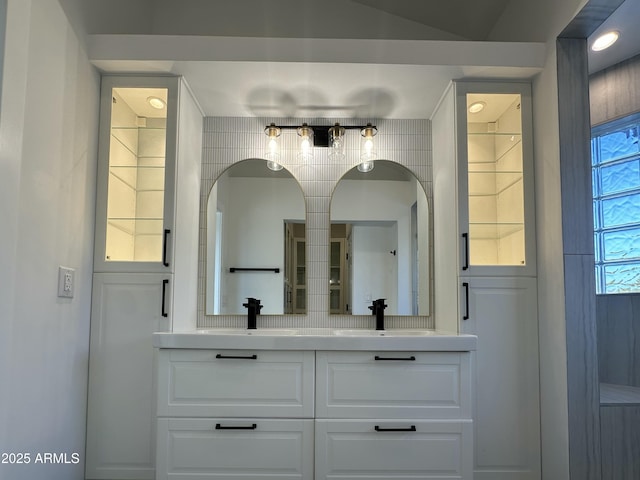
<point>364,266</point>
<point>339,271</point>
<point>295,278</point>
<point>379,242</point>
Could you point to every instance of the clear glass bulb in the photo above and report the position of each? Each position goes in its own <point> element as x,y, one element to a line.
<point>306,142</point>
<point>336,142</point>
<point>275,166</point>
<point>367,144</point>
<point>365,167</point>
<point>273,148</point>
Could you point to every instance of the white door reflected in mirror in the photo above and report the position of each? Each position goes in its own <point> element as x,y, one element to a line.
<point>379,242</point>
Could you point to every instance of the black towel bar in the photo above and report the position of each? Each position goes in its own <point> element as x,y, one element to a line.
<point>238,269</point>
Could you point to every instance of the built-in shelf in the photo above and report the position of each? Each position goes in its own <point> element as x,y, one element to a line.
<point>493,231</point>
<point>514,140</point>
<point>138,226</point>
<point>617,395</point>
<point>492,183</point>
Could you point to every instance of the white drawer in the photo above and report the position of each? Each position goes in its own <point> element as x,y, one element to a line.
<point>393,385</point>
<point>242,449</point>
<point>386,449</point>
<point>235,383</point>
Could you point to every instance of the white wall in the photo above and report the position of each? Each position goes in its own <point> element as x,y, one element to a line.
<point>188,170</point>
<point>253,229</point>
<point>374,269</point>
<point>48,143</point>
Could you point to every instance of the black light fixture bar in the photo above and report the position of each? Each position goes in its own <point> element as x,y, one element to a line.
<point>321,132</point>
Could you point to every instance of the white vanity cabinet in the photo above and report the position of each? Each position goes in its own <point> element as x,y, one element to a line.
<point>485,281</point>
<point>502,312</point>
<point>235,414</point>
<point>294,412</point>
<point>393,415</point>
<point>126,310</point>
<point>145,260</point>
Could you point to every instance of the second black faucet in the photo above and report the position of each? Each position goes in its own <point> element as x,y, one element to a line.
<point>377,309</point>
<point>253,310</point>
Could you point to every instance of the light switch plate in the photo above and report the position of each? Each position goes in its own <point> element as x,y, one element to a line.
<point>66,279</point>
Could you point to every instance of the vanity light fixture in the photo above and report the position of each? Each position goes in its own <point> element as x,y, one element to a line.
<point>311,136</point>
<point>605,40</point>
<point>156,102</point>
<point>272,154</point>
<point>477,107</point>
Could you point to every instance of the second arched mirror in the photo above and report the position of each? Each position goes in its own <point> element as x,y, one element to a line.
<point>255,241</point>
<point>379,246</point>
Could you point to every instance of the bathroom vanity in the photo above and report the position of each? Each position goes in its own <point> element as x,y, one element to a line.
<point>314,404</point>
<point>450,214</point>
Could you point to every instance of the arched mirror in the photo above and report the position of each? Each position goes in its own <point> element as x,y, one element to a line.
<point>255,241</point>
<point>379,245</point>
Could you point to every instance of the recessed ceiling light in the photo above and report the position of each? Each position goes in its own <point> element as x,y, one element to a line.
<point>156,102</point>
<point>605,41</point>
<point>477,107</point>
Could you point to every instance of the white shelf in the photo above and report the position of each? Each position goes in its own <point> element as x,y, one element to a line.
<point>493,231</point>
<point>138,226</point>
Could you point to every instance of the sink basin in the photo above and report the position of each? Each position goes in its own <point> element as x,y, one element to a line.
<point>396,332</point>
<point>264,332</point>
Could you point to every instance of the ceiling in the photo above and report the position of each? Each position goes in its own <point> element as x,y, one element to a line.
<point>473,19</point>
<point>389,19</point>
<point>625,20</point>
<point>342,80</point>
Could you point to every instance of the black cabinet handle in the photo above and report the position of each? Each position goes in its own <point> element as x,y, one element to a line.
<point>238,357</point>
<point>378,428</point>
<point>465,285</point>
<point>465,266</point>
<point>164,297</point>
<point>396,359</point>
<point>236,427</point>
<point>164,247</point>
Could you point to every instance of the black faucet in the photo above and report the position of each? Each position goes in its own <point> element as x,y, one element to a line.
<point>377,309</point>
<point>253,310</point>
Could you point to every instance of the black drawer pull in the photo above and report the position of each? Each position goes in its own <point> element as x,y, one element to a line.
<point>235,427</point>
<point>465,285</point>
<point>165,262</point>
<point>412,428</point>
<point>396,359</point>
<point>238,357</point>
<point>465,265</point>
<point>164,297</point>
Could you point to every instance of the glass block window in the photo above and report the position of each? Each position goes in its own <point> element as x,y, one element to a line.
<point>615,156</point>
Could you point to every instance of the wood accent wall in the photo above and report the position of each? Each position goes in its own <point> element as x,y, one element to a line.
<point>577,234</point>
<point>618,319</point>
<point>620,442</point>
<point>615,91</point>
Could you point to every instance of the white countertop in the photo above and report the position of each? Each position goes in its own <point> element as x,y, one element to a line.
<point>317,339</point>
